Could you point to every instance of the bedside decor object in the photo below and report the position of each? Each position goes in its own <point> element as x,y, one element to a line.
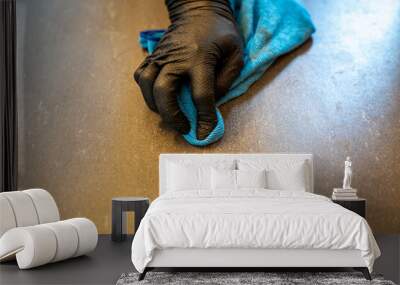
<point>357,205</point>
<point>348,172</point>
<point>346,193</point>
<point>32,233</point>
<point>121,205</point>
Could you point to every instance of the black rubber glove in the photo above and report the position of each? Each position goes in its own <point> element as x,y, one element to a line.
<point>203,46</point>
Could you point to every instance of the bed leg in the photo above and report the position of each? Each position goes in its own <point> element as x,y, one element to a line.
<point>143,274</point>
<point>364,271</point>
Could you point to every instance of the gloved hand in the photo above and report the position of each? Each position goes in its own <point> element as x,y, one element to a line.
<point>203,46</point>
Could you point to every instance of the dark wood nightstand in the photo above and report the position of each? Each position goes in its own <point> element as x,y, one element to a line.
<point>121,205</point>
<point>358,205</point>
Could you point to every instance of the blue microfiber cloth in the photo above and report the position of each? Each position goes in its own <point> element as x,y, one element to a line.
<point>270,28</point>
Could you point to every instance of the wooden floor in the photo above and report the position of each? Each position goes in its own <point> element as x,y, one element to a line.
<point>110,260</point>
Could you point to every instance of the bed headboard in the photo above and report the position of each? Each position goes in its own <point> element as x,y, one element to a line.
<point>203,158</point>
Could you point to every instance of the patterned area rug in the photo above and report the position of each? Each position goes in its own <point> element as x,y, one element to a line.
<point>243,278</point>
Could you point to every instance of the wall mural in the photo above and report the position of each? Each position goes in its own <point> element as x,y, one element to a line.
<point>87,135</point>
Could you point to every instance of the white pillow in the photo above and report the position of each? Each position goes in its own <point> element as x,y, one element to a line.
<point>223,179</point>
<point>291,175</point>
<point>227,179</point>
<point>251,178</point>
<point>182,177</point>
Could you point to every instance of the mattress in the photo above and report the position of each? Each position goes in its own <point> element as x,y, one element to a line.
<point>250,219</point>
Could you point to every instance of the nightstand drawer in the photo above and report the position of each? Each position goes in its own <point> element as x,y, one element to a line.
<point>357,206</point>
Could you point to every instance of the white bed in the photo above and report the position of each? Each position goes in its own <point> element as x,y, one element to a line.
<point>248,227</point>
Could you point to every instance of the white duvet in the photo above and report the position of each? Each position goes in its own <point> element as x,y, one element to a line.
<point>250,219</point>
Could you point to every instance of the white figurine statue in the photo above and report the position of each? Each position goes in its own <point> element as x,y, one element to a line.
<point>347,174</point>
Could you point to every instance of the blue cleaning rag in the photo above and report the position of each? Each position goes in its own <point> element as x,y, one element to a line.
<point>270,28</point>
